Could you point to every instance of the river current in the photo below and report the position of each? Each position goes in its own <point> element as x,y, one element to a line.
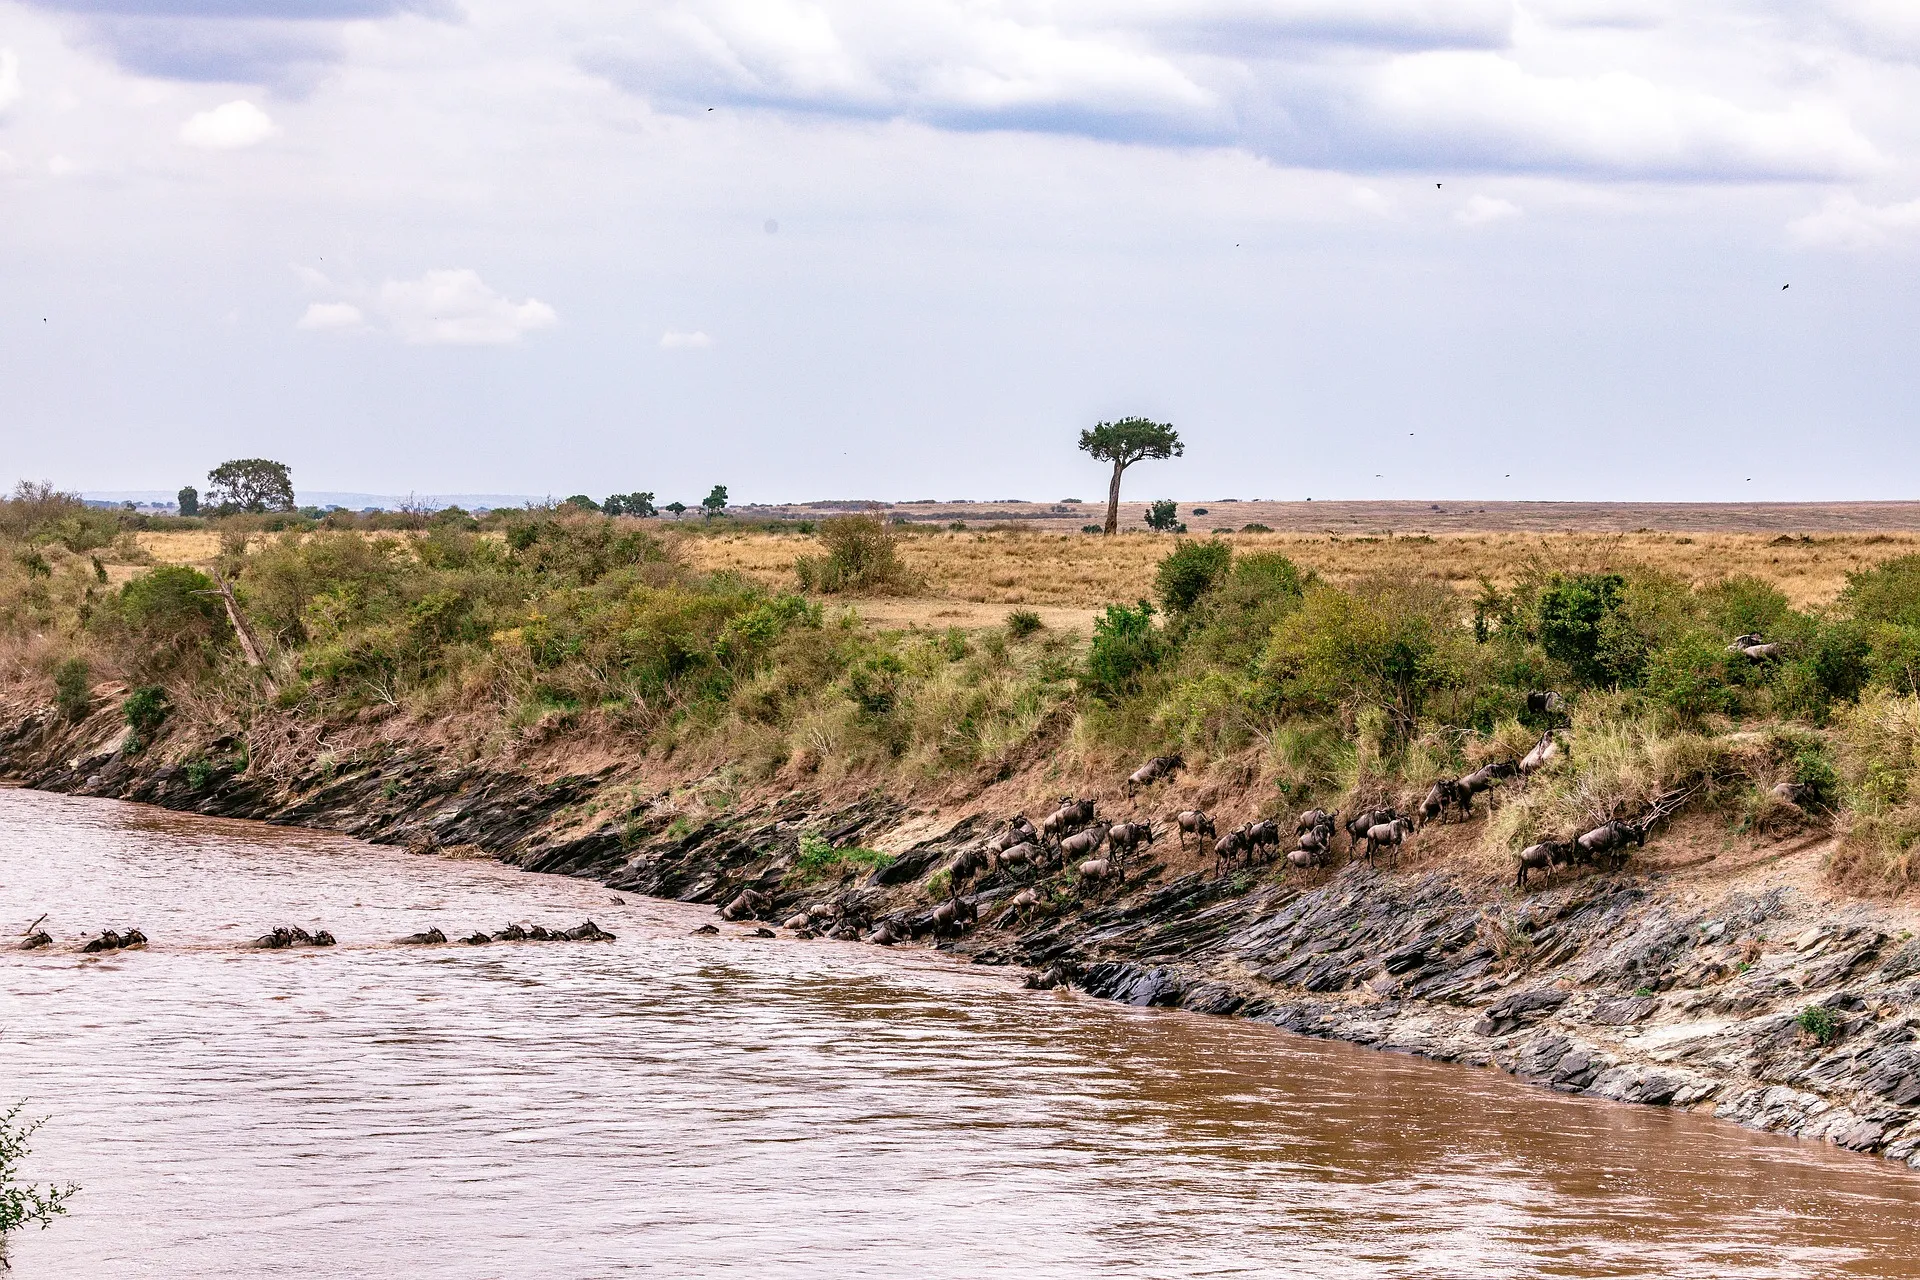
<point>678,1105</point>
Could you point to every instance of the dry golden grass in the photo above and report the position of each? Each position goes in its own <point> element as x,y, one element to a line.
<point>1081,572</point>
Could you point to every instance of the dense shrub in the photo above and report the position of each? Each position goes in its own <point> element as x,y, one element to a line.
<point>169,618</point>
<point>1389,643</point>
<point>1189,572</point>
<point>860,554</point>
<point>1125,645</point>
<point>1573,613</point>
<point>1022,623</point>
<point>146,709</point>
<point>73,688</point>
<point>1889,592</point>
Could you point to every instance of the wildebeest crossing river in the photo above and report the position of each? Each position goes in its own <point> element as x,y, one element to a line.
<point>680,1105</point>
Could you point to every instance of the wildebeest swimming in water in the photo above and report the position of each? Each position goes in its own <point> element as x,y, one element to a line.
<point>747,905</point>
<point>428,938</point>
<point>112,941</point>
<point>292,936</point>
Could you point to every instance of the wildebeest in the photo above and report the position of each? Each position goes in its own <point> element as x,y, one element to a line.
<point>1195,823</point>
<point>1545,752</point>
<point>747,905</point>
<point>1360,823</point>
<point>431,937</point>
<point>1755,647</point>
<point>1100,870</point>
<point>1016,831</point>
<point>1024,854</point>
<point>1229,848</point>
<point>1482,779</point>
<point>801,920</point>
<point>292,936</point>
<point>1083,843</point>
<point>109,940</point>
<point>954,916</point>
<point>1543,702</point>
<point>966,864</point>
<point>1070,816</point>
<point>1263,834</point>
<point>1604,844</point>
<point>1547,856</point>
<point>1124,837</point>
<point>1795,793</point>
<point>1388,835</point>
<point>1444,792</point>
<point>1152,771</point>
<point>1314,818</point>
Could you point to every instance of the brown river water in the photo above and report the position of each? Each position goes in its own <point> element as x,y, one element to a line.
<point>690,1106</point>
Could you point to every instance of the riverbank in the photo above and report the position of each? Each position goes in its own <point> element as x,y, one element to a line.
<point>1720,980</point>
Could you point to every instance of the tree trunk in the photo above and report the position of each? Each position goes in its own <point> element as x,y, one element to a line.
<point>248,644</point>
<point>1113,500</point>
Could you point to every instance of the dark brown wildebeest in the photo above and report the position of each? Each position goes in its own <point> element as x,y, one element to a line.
<point>1019,856</point>
<point>1082,844</point>
<point>1314,818</point>
<point>1548,856</point>
<point>1364,821</point>
<point>1152,771</point>
<point>1070,816</point>
<point>954,916</point>
<point>1229,848</point>
<point>431,937</point>
<point>1196,823</point>
<point>966,864</point>
<point>1264,834</point>
<point>1543,702</point>
<point>1800,794</point>
<point>1482,779</point>
<point>1124,837</point>
<point>747,905</point>
<point>1605,844</point>
<point>1388,835</point>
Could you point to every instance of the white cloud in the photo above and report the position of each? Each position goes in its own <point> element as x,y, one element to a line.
<point>9,78</point>
<point>228,127</point>
<point>457,308</point>
<point>1845,222</point>
<point>333,316</point>
<point>1493,113</point>
<point>1484,209</point>
<point>671,341</point>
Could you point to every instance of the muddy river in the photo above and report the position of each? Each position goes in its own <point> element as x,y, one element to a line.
<point>677,1105</point>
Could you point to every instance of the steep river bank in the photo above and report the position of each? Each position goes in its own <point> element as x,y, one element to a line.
<point>1683,993</point>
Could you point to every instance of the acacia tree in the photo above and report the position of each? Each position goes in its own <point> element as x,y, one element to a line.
<point>251,484</point>
<point>715,502</point>
<point>1124,443</point>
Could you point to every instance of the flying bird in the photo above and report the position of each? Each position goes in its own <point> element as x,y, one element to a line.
<point>1436,186</point>
<point>1786,286</point>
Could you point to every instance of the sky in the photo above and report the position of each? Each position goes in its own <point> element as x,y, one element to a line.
<point>900,249</point>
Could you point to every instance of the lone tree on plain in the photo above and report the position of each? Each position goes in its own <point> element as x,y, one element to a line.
<point>715,502</point>
<point>1124,443</point>
<point>189,500</point>
<point>250,484</point>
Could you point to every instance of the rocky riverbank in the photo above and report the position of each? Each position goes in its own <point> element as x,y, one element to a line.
<point>1758,999</point>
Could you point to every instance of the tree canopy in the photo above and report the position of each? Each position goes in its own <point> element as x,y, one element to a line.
<point>1123,443</point>
<point>251,484</point>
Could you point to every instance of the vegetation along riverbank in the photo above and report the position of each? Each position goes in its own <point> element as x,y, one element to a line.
<point>828,728</point>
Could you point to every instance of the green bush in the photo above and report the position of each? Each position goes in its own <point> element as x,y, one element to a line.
<point>1022,623</point>
<point>146,709</point>
<point>24,1204</point>
<point>818,859</point>
<point>860,554</point>
<point>1820,1022</point>
<point>1125,645</point>
<point>1689,675</point>
<point>1572,613</point>
<point>1889,592</point>
<point>168,618</point>
<point>73,688</point>
<point>1389,643</point>
<point>1189,571</point>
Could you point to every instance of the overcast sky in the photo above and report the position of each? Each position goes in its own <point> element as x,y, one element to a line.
<point>900,249</point>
